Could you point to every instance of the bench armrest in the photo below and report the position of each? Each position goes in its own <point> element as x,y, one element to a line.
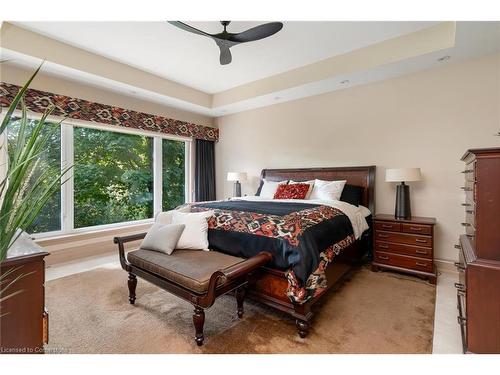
<point>121,248</point>
<point>232,273</point>
<point>247,266</point>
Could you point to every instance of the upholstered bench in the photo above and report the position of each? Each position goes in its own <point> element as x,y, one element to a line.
<point>196,276</point>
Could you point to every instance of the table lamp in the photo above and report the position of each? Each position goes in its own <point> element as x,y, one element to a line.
<point>237,177</point>
<point>402,209</point>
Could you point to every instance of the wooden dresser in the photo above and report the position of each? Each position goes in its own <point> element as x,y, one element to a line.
<point>24,321</point>
<point>478,289</point>
<point>404,245</point>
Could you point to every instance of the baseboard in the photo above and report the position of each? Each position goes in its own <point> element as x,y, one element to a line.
<point>445,266</point>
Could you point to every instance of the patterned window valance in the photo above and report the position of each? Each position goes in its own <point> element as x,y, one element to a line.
<point>38,101</point>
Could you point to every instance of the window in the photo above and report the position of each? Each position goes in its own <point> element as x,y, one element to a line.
<point>174,173</point>
<point>113,178</point>
<point>49,218</point>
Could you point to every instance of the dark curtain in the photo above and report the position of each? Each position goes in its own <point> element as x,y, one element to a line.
<point>204,171</point>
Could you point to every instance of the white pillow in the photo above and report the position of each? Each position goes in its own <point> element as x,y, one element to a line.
<point>166,216</point>
<point>327,190</point>
<point>269,188</point>
<point>310,183</point>
<point>162,237</point>
<point>195,234</point>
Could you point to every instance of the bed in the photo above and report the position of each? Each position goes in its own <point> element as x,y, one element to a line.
<point>301,271</point>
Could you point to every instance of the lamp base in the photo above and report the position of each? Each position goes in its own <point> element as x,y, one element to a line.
<point>403,209</point>
<point>237,189</point>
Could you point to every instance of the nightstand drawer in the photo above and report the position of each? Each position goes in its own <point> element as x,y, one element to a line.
<point>410,239</point>
<point>419,264</point>
<point>416,251</point>
<point>417,229</point>
<point>386,225</point>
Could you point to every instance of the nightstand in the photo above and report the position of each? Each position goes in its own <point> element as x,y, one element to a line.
<point>404,245</point>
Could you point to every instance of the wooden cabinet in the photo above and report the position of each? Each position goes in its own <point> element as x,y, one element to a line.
<point>478,289</point>
<point>404,245</point>
<point>24,320</point>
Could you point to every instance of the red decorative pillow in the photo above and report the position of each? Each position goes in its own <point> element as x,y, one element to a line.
<point>292,191</point>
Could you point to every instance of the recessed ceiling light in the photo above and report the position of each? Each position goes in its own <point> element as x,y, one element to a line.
<point>345,81</point>
<point>444,58</point>
<point>133,92</point>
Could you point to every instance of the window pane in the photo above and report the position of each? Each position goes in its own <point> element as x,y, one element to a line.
<point>113,177</point>
<point>49,218</point>
<point>173,170</point>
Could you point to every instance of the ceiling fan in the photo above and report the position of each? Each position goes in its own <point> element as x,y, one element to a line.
<point>226,40</point>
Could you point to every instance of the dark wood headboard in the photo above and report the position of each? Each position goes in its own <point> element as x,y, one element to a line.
<point>358,176</point>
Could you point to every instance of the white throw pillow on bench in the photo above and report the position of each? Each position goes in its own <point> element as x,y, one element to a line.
<point>195,234</point>
<point>166,216</point>
<point>162,237</point>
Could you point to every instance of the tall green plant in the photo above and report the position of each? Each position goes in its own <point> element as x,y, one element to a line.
<point>24,190</point>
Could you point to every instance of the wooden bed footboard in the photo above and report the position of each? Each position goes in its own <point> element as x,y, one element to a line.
<point>270,286</point>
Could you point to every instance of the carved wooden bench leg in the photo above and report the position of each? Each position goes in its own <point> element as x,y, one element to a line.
<point>303,327</point>
<point>240,297</point>
<point>132,284</point>
<point>199,321</point>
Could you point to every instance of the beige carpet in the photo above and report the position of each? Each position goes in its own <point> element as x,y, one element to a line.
<point>369,313</point>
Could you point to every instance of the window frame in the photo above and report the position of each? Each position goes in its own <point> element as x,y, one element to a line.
<point>67,158</point>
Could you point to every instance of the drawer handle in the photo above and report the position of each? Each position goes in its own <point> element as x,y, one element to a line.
<point>468,171</point>
<point>421,264</point>
<point>465,224</point>
<point>416,229</point>
<point>420,240</point>
<point>381,235</point>
<point>383,257</point>
<point>469,211</point>
<point>383,246</point>
<point>387,226</point>
<point>461,320</point>
<point>460,286</point>
<point>466,204</point>
<point>421,251</point>
<point>457,247</point>
<point>466,188</point>
<point>459,266</point>
<point>470,235</point>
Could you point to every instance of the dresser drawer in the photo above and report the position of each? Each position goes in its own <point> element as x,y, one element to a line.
<point>419,264</point>
<point>470,196</point>
<point>386,225</point>
<point>416,251</point>
<point>410,239</point>
<point>417,229</point>
<point>470,231</point>
<point>470,216</point>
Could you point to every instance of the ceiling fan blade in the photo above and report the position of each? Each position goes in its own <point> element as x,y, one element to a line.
<point>257,32</point>
<point>186,27</point>
<point>225,55</point>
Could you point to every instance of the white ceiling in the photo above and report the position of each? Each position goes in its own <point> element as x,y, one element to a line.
<point>302,43</point>
<point>193,60</point>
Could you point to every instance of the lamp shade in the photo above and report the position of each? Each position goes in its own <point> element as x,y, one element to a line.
<point>236,176</point>
<point>402,174</point>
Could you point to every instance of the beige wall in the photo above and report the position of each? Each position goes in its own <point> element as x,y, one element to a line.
<point>424,120</point>
<point>18,76</point>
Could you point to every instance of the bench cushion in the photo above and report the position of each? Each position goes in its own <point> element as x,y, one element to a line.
<point>189,268</point>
